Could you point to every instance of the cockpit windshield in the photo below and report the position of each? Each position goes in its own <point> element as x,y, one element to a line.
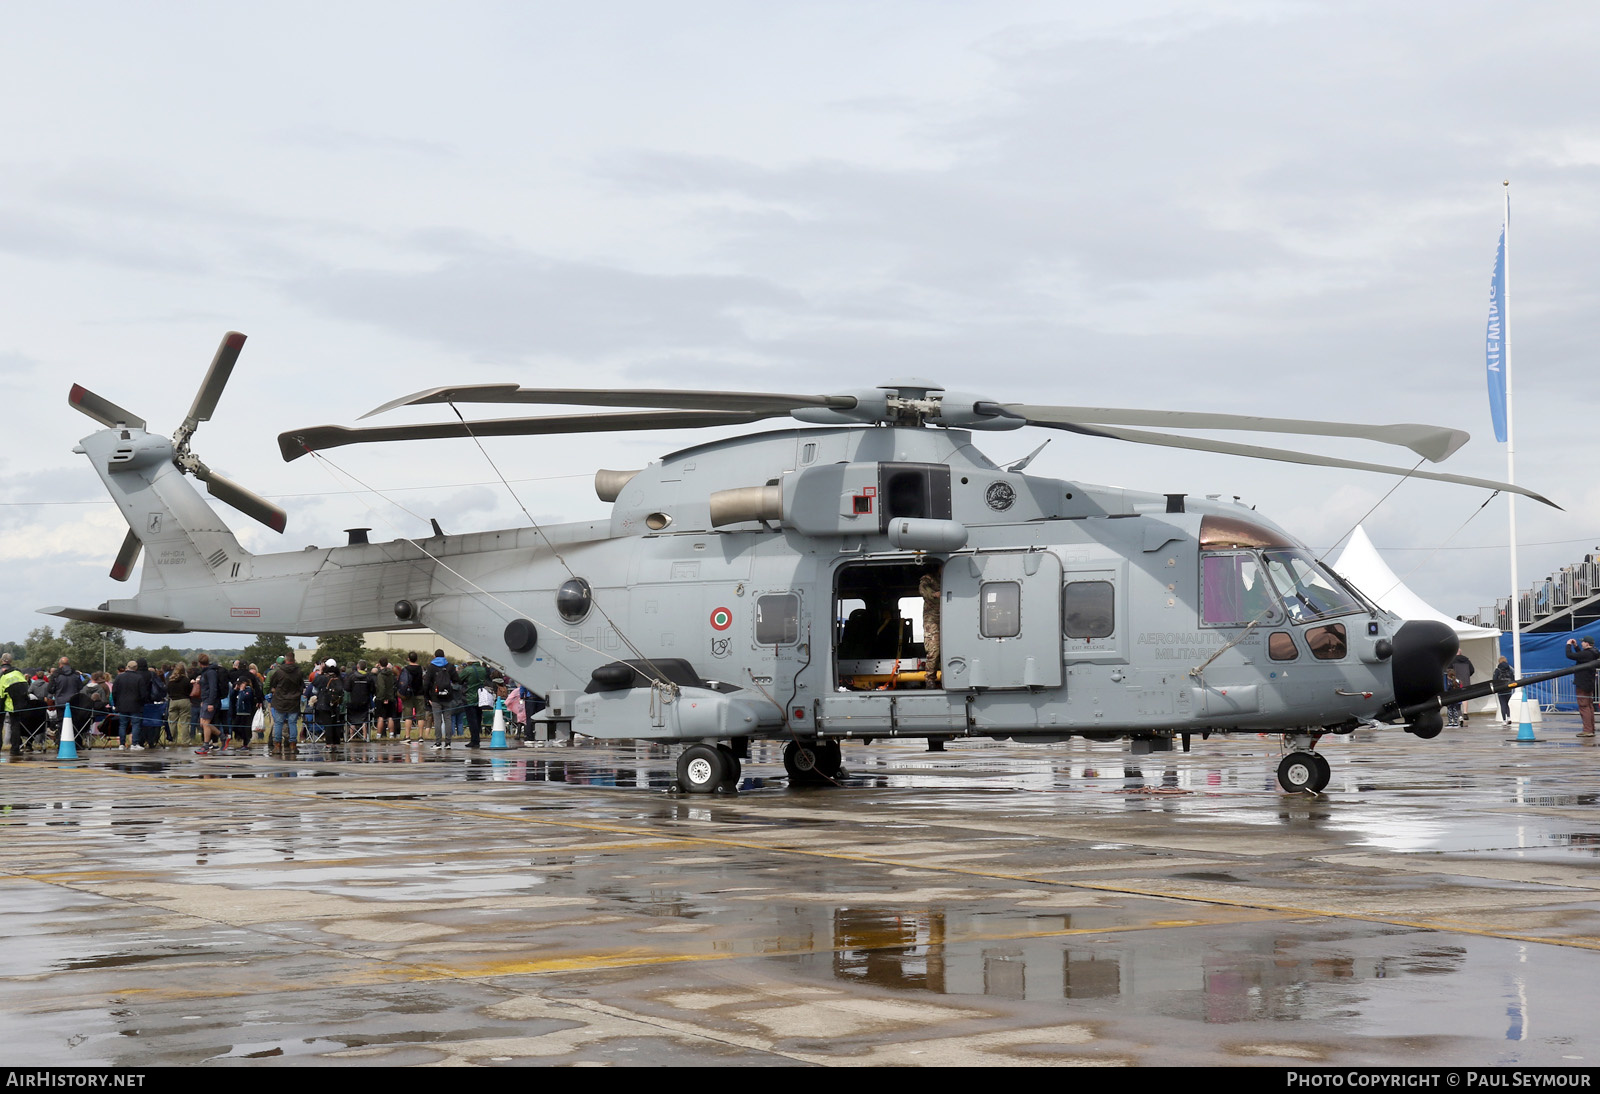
<point>1308,591</point>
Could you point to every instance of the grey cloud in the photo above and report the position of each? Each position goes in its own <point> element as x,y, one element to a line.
<point>37,236</point>
<point>512,305</point>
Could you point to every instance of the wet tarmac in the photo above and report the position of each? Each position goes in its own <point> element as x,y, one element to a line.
<point>992,904</point>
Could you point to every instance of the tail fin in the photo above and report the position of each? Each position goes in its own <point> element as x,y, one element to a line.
<point>186,545</point>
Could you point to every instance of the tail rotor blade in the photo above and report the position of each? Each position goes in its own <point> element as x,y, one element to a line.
<point>127,555</point>
<point>102,410</point>
<point>205,400</point>
<point>247,501</point>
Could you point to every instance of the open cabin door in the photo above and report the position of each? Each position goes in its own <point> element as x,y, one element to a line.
<point>1001,620</point>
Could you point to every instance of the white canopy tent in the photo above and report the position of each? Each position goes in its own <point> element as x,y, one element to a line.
<point>1361,565</point>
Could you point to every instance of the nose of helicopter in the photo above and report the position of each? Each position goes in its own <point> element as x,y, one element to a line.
<point>1422,650</point>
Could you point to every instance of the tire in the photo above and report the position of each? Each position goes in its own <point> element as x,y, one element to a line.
<point>1324,772</point>
<point>830,760</point>
<point>800,761</point>
<point>701,769</point>
<point>1298,772</point>
<point>730,764</point>
<point>811,762</point>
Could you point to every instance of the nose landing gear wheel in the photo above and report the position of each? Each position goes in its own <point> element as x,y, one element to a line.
<point>812,762</point>
<point>701,769</point>
<point>1304,771</point>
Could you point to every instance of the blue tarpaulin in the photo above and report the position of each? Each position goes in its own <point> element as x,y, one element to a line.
<point>1546,653</point>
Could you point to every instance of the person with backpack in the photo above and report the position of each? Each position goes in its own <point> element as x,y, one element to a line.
<point>327,702</point>
<point>384,704</point>
<point>153,712</point>
<point>245,701</point>
<point>358,709</point>
<point>413,697</point>
<point>208,688</point>
<point>128,693</point>
<point>439,683</point>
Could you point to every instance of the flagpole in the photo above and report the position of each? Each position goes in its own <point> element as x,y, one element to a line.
<point>1511,466</point>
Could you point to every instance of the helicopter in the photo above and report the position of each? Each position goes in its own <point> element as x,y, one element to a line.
<point>864,573</point>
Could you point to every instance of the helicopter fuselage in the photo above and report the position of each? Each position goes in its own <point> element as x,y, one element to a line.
<point>840,582</point>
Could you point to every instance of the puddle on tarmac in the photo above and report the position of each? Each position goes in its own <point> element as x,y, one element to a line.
<point>1235,978</point>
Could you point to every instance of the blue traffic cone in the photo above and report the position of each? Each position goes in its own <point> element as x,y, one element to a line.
<point>1524,724</point>
<point>497,735</point>
<point>69,743</point>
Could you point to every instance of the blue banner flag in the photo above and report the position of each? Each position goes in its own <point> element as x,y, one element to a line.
<point>1494,342</point>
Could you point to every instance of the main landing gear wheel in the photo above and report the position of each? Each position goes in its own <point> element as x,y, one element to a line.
<point>702,768</point>
<point>1304,771</point>
<point>812,762</point>
<point>730,763</point>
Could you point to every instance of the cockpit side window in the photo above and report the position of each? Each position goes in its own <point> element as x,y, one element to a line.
<point>1308,591</point>
<point>1234,590</point>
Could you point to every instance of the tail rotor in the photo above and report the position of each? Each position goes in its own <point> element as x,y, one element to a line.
<point>224,489</point>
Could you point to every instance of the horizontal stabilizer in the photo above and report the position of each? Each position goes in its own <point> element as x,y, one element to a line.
<point>127,621</point>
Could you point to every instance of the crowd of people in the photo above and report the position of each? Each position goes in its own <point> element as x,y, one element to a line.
<point>217,709</point>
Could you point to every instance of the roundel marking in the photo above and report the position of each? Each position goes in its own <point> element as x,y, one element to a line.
<point>721,619</point>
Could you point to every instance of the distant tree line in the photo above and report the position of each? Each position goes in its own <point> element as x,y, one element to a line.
<point>90,647</point>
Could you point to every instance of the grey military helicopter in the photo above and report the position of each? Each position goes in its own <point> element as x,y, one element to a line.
<point>867,574</point>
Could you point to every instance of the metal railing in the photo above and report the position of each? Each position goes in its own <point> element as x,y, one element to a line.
<point>1554,696</point>
<point>1561,590</point>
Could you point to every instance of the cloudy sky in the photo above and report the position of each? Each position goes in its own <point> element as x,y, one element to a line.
<point>1275,208</point>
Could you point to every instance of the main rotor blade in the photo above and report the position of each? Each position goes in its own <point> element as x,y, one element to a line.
<point>205,400</point>
<point>247,501</point>
<point>127,555</point>
<point>1199,444</point>
<point>1432,442</point>
<point>104,411</point>
<point>298,442</point>
<point>770,403</point>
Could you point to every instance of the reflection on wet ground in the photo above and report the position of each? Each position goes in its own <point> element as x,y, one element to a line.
<point>994,903</point>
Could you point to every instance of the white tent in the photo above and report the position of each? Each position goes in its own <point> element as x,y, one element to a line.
<point>1361,565</point>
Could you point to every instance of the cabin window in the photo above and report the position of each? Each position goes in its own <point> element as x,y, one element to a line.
<point>573,600</point>
<point>1000,609</point>
<point>777,619</point>
<point>1234,591</point>
<point>1087,610</point>
<point>1328,643</point>
<point>1281,647</point>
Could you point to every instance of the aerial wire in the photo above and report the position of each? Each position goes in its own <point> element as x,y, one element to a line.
<point>637,653</point>
<point>1369,512</point>
<point>1401,580</point>
<point>334,471</point>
